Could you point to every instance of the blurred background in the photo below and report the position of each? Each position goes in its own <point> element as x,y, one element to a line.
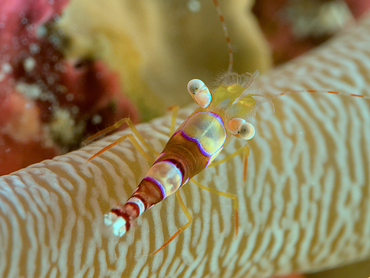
<point>71,68</point>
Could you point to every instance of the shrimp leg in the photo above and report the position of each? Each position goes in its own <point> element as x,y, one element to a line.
<point>183,228</point>
<point>116,125</point>
<point>130,124</point>
<point>227,195</point>
<point>119,140</point>
<point>175,109</point>
<point>244,149</point>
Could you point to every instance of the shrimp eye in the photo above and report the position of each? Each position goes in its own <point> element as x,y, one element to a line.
<point>200,93</point>
<point>240,128</point>
<point>195,85</point>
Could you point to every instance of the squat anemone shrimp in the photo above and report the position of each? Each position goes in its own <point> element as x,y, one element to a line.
<point>195,144</point>
<point>304,207</point>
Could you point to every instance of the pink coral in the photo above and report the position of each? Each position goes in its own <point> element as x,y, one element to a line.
<point>47,103</point>
<point>358,7</point>
<point>294,27</point>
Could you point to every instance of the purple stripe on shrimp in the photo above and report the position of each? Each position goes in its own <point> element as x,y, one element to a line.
<point>179,172</point>
<point>204,129</point>
<point>158,184</point>
<point>185,181</point>
<point>159,156</point>
<point>218,117</point>
<point>196,141</point>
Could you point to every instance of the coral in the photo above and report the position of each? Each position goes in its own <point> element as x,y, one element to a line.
<point>358,7</point>
<point>304,207</point>
<point>48,103</point>
<point>294,27</point>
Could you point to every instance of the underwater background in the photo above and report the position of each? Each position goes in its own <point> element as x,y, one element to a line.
<point>71,68</point>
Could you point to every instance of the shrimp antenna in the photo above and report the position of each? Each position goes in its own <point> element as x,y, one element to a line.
<point>312,92</point>
<point>226,32</point>
<point>318,92</point>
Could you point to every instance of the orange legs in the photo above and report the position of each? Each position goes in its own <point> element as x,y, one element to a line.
<point>174,109</point>
<point>227,195</point>
<point>220,193</point>
<point>246,152</point>
<point>137,146</point>
<point>119,140</point>
<point>183,228</point>
<point>149,157</point>
<point>244,149</point>
<point>190,219</point>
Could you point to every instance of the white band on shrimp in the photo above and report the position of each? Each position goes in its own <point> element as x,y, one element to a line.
<point>166,176</point>
<point>118,223</point>
<point>138,202</point>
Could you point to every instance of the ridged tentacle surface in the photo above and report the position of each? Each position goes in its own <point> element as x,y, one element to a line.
<point>305,205</point>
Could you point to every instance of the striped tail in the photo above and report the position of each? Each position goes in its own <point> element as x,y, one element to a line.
<point>123,216</point>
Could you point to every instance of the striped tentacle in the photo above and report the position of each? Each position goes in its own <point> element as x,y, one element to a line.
<point>305,205</point>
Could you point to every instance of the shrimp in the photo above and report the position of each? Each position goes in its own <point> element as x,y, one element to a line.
<point>222,115</point>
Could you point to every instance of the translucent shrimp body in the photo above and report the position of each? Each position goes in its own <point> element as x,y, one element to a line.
<point>196,143</point>
<point>192,147</point>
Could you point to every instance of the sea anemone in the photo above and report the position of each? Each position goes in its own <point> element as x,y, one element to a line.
<point>304,207</point>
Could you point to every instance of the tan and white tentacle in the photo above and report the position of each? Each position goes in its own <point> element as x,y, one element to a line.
<point>304,207</point>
